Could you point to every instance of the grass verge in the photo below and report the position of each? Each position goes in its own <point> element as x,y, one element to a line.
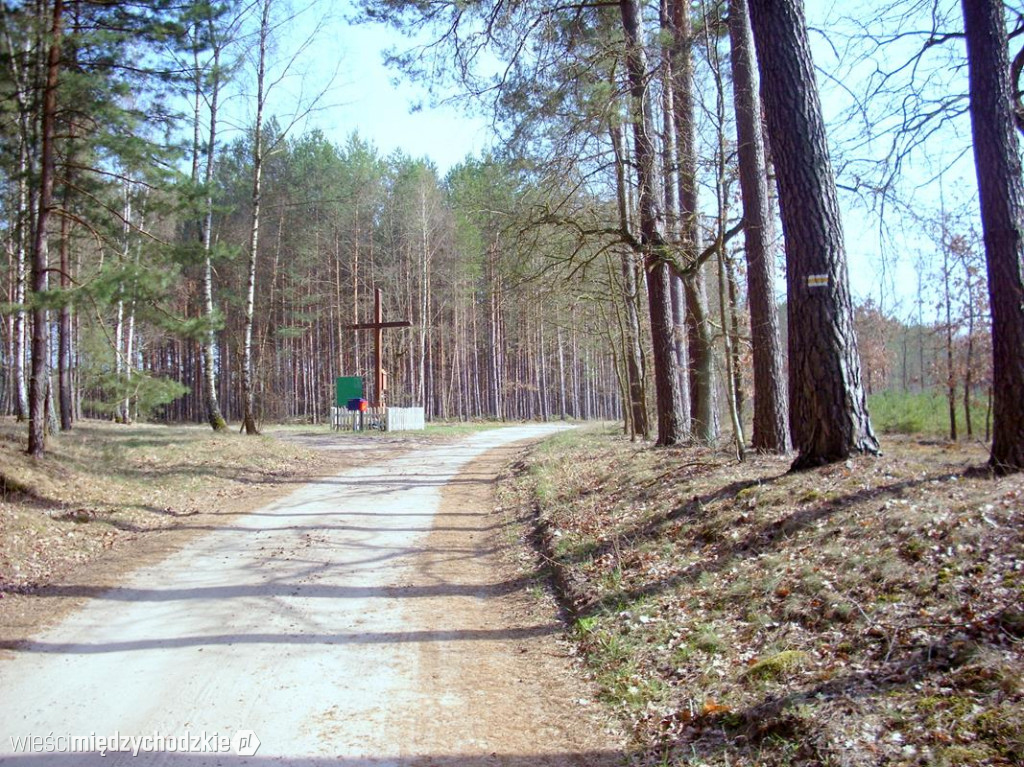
<point>864,613</point>
<point>102,485</point>
<point>107,498</point>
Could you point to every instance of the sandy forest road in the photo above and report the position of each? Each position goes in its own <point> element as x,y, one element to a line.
<point>361,620</point>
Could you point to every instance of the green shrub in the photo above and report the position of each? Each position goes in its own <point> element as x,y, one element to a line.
<point>895,412</point>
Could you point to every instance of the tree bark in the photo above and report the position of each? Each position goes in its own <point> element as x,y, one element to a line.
<point>633,352</point>
<point>669,164</point>
<point>969,352</point>
<point>635,361</point>
<point>424,297</point>
<point>725,306</point>
<point>40,254</point>
<point>563,415</point>
<point>679,340</point>
<point>22,227</point>
<point>652,229</point>
<point>704,420</point>
<point>248,395</point>
<point>497,362</point>
<point>21,408</point>
<point>65,397</point>
<point>1001,192</point>
<point>213,412</point>
<point>735,332</point>
<point>950,366</point>
<point>771,412</point>
<point>732,388</point>
<point>705,424</point>
<point>67,414</point>
<point>824,366</point>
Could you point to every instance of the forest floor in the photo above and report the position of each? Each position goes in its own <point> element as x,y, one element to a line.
<point>865,613</point>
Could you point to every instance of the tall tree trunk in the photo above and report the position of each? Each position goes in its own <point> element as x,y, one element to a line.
<point>679,340</point>
<point>40,253</point>
<point>771,412</point>
<point>1001,191</point>
<point>824,365</point>
<point>212,402</point>
<point>950,366</point>
<point>652,229</point>
<point>21,408</point>
<point>7,325</point>
<point>636,363</point>
<point>969,352</point>
<point>920,327</point>
<point>542,367</point>
<point>670,187</point>
<point>733,382</point>
<point>51,406</point>
<point>634,353</point>
<point>669,165</point>
<point>23,222</point>
<point>65,395</point>
<point>732,387</point>
<point>248,395</point>
<point>735,333</point>
<point>561,373</point>
<point>497,361</point>
<point>126,213</point>
<point>905,357</point>
<point>431,391</point>
<point>424,307</point>
<point>704,421</point>
<point>67,414</point>
<point>705,424</point>
<point>357,362</point>
<point>339,326</point>
<point>129,354</point>
<point>577,410</point>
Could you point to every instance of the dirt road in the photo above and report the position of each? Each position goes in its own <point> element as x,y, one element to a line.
<point>366,619</point>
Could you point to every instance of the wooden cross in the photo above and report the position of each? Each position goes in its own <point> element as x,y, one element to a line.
<point>378,326</point>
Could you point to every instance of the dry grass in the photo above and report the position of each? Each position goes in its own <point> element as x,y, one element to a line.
<point>108,498</point>
<point>102,487</point>
<point>863,613</point>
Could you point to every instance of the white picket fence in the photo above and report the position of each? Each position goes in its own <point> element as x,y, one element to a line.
<point>384,419</point>
<point>343,419</point>
<point>405,419</point>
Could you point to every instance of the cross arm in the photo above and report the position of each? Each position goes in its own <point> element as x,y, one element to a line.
<point>375,325</point>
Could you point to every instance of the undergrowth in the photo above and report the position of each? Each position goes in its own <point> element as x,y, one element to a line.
<point>924,413</point>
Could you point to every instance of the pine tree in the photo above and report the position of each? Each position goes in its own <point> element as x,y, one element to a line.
<point>827,402</point>
<point>771,412</point>
<point>1001,192</point>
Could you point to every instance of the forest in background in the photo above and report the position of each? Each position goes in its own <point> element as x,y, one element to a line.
<point>159,265</point>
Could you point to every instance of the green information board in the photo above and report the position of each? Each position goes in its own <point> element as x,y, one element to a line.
<point>348,387</point>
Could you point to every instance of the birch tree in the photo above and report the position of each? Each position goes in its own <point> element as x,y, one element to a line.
<point>265,83</point>
<point>212,29</point>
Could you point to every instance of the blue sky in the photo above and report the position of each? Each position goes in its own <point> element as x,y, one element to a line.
<point>365,98</point>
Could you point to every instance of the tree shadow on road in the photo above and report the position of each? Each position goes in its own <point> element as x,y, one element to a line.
<point>567,759</point>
